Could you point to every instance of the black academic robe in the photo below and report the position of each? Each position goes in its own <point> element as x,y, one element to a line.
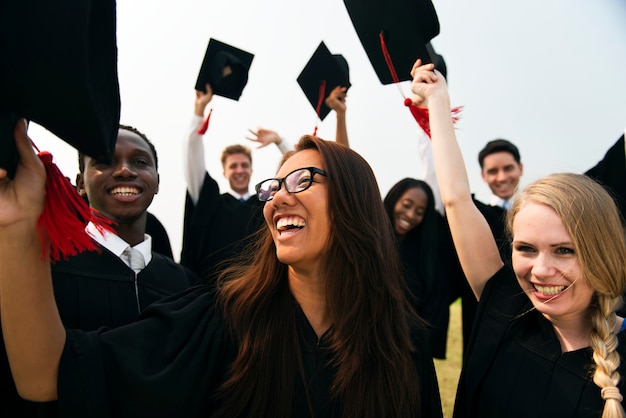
<point>216,228</point>
<point>160,240</point>
<point>514,366</point>
<point>169,363</point>
<point>611,173</point>
<point>430,296</point>
<point>98,289</point>
<point>94,290</point>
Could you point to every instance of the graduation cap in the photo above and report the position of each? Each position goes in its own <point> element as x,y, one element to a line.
<point>58,68</point>
<point>321,74</point>
<point>394,34</point>
<point>225,68</point>
<point>437,59</point>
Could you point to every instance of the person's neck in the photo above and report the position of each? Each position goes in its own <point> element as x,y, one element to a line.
<point>133,233</point>
<point>573,333</point>
<point>310,292</point>
<point>238,193</point>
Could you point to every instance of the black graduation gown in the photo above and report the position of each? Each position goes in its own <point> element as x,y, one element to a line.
<point>216,228</point>
<point>431,298</point>
<point>93,290</point>
<point>160,240</point>
<point>169,363</point>
<point>514,365</point>
<point>611,173</point>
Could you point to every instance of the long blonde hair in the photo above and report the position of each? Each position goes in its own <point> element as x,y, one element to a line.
<point>592,220</point>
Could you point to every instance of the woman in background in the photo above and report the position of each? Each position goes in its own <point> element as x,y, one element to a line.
<point>427,255</point>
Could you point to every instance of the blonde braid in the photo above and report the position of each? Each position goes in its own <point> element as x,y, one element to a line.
<point>607,359</point>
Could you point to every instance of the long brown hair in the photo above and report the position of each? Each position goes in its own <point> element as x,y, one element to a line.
<point>371,346</point>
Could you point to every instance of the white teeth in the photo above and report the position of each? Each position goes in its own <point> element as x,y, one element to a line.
<point>290,222</point>
<point>404,223</point>
<point>125,191</point>
<point>550,290</point>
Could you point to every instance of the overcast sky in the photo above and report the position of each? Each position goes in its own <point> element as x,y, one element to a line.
<point>548,75</point>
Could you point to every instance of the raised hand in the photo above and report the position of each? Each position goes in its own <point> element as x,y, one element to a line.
<point>426,81</point>
<point>202,100</point>
<point>22,198</point>
<point>337,99</point>
<point>264,137</point>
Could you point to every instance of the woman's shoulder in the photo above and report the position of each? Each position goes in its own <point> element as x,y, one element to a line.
<point>195,301</point>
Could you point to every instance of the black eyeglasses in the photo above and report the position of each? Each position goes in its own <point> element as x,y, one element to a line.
<point>295,182</point>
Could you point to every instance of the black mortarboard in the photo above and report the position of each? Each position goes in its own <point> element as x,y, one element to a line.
<point>58,68</point>
<point>321,74</point>
<point>225,68</point>
<point>406,27</point>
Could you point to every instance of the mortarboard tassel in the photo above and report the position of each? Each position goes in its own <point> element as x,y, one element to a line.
<point>320,99</point>
<point>420,113</point>
<point>205,125</point>
<point>65,215</point>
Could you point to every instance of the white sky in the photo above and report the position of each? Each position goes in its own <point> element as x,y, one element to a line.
<point>548,75</point>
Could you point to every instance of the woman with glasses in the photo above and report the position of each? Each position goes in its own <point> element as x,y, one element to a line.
<point>312,321</point>
<point>546,341</point>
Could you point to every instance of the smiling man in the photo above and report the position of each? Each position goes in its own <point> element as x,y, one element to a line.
<point>501,169</point>
<point>216,225</point>
<point>87,285</point>
<point>106,288</point>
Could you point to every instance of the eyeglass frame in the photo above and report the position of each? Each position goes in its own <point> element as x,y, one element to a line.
<point>281,181</point>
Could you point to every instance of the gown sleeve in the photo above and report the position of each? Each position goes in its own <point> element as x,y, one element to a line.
<point>166,364</point>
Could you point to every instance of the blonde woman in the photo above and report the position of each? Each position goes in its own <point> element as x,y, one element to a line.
<point>547,341</point>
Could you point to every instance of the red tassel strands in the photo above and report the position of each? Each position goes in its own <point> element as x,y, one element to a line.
<point>65,215</point>
<point>420,113</point>
<point>205,125</point>
<point>320,99</point>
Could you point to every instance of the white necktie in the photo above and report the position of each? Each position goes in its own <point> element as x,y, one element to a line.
<point>135,259</point>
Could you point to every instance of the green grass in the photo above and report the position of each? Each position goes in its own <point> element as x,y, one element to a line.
<point>448,370</point>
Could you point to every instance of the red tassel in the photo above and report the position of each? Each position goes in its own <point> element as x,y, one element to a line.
<point>321,94</point>
<point>420,114</point>
<point>65,215</point>
<point>205,124</point>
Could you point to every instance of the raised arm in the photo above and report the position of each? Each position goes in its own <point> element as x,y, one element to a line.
<point>472,236</point>
<point>193,147</point>
<point>33,333</point>
<point>264,137</point>
<point>337,102</point>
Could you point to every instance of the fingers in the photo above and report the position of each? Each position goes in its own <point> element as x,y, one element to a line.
<point>417,67</point>
<point>340,93</point>
<point>28,156</point>
<point>255,135</point>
